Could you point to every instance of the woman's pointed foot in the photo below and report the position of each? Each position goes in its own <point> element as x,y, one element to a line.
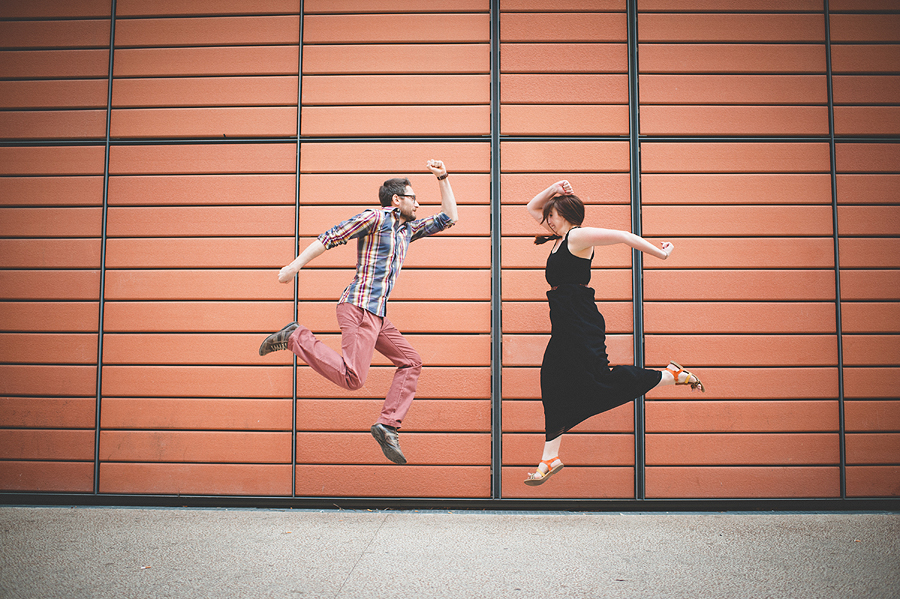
<point>545,470</point>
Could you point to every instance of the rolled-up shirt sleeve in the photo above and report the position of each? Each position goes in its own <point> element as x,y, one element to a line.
<point>430,225</point>
<point>349,229</point>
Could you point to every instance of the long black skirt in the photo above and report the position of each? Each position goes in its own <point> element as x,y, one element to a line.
<point>576,380</point>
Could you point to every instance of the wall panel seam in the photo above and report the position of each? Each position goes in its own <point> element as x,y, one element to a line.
<point>102,290</point>
<point>837,258</point>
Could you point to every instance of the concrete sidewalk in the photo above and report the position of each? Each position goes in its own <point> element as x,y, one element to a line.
<point>94,552</point>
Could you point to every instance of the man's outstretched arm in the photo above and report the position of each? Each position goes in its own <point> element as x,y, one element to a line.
<point>313,250</point>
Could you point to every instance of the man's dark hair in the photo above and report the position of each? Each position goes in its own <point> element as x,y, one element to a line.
<point>393,186</point>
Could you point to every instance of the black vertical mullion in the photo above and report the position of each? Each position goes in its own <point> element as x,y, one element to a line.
<point>837,258</point>
<point>296,245</point>
<point>112,44</point>
<point>496,303</point>
<point>637,290</point>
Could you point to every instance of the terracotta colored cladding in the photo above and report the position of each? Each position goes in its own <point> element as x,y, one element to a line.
<point>84,93</point>
<point>200,213</point>
<point>411,29</point>
<point>136,8</point>
<point>563,27</point>
<point>43,34</point>
<point>762,28</point>
<point>55,9</point>
<point>208,31</point>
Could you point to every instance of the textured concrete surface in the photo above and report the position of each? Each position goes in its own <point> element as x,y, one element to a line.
<point>94,552</point>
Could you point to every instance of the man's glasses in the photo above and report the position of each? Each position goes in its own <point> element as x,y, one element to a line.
<point>403,195</point>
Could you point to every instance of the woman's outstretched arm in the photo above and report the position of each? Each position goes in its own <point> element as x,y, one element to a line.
<point>584,237</point>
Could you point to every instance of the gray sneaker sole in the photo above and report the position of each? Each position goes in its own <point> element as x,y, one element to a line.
<point>389,451</point>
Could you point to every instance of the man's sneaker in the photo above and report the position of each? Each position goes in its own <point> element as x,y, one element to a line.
<point>277,341</point>
<point>389,439</point>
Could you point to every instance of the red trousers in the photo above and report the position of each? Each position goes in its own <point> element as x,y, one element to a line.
<point>361,334</point>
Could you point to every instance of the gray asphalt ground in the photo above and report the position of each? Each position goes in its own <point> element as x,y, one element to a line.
<point>74,552</point>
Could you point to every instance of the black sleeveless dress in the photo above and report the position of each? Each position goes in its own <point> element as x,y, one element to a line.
<point>576,380</point>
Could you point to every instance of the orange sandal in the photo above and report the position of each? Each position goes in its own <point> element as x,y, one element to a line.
<point>697,384</point>
<point>538,478</point>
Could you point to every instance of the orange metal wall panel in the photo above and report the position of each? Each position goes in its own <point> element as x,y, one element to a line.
<point>76,93</point>
<point>47,412</point>
<point>41,379</point>
<point>41,476</point>
<point>740,317</point>
<point>733,89</point>
<point>741,416</point>
<point>391,59</point>
<point>734,120</point>
<point>873,481</point>
<point>55,34</point>
<point>743,481</point>
<point>197,190</point>
<point>407,28</point>
<point>872,415</point>
<point>564,58</point>
<point>48,160</point>
<point>360,90</point>
<point>207,31</point>
<point>54,9</point>
<point>191,446</point>
<point>137,8</point>
<point>49,253</point>
<point>732,58</point>
<point>550,88</point>
<point>390,481</point>
<point>871,350</point>
<point>196,479</point>
<point>461,415</point>
<point>44,348</point>
<point>205,91</point>
<point>762,28</point>
<point>866,89</point>
<point>61,191</point>
<point>732,157</point>
<point>196,414</point>
<point>24,444</point>
<point>710,449</point>
<point>745,188</point>
<point>391,120</point>
<point>67,285</point>
<point>54,64</point>
<point>80,124</point>
<point>446,449</point>
<point>190,122</point>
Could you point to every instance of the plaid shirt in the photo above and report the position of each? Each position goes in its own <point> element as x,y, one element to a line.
<point>382,238</point>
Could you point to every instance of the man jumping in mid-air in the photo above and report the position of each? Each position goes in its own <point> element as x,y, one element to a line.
<point>383,236</point>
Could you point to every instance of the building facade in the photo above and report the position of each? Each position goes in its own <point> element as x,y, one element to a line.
<point>160,161</point>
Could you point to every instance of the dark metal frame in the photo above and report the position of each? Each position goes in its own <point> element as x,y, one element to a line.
<point>495,502</point>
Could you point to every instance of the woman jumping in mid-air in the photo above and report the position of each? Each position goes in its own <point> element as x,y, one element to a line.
<point>576,379</point>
